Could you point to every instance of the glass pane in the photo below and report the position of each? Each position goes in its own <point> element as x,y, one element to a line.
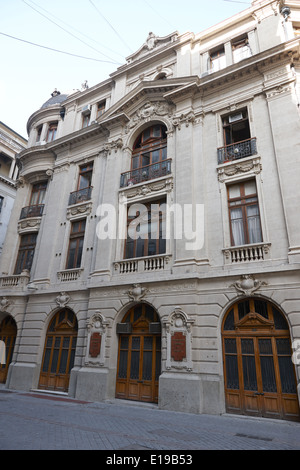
<point>147,365</point>
<point>230,345</point>
<point>123,364</point>
<point>155,156</point>
<point>261,307</point>
<point>237,226</point>
<point>124,342</point>
<point>254,229</point>
<point>232,375</point>
<point>243,309</point>
<point>135,342</point>
<point>63,361</point>
<point>146,159</point>
<point>279,320</point>
<point>234,191</point>
<point>46,360</point>
<point>287,375</point>
<point>135,365</point>
<point>54,361</point>
<point>71,363</point>
<point>157,364</point>
<point>148,341</point>
<point>229,322</point>
<point>247,346</point>
<point>249,372</point>
<point>265,346</point>
<point>268,374</point>
<point>250,187</point>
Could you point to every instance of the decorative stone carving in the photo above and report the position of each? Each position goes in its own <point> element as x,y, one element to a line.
<point>253,165</point>
<point>84,208</point>
<point>248,285</point>
<point>62,299</point>
<point>131,192</point>
<point>148,112</point>
<point>137,293</point>
<point>152,42</point>
<point>113,145</point>
<point>4,304</point>
<point>95,351</point>
<point>187,119</point>
<point>179,340</point>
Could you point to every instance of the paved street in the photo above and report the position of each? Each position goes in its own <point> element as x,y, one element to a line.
<point>33,421</point>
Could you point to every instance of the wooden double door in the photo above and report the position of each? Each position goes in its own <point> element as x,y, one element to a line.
<point>59,352</point>
<point>139,357</point>
<point>8,333</point>
<point>259,373</point>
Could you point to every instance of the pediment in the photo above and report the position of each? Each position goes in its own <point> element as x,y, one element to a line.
<point>145,101</point>
<point>254,320</point>
<point>151,44</point>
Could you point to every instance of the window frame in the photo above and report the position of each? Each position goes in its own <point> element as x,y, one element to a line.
<point>101,108</point>
<point>243,205</point>
<point>148,145</point>
<point>26,252</point>
<point>52,131</point>
<point>39,189</point>
<point>78,236</point>
<point>160,242</point>
<point>86,169</point>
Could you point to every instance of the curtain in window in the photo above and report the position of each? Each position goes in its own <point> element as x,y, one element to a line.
<point>237,226</point>
<point>254,229</point>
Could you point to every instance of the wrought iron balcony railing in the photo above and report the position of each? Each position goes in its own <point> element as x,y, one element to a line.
<point>80,196</point>
<point>146,173</point>
<point>32,211</point>
<point>238,150</point>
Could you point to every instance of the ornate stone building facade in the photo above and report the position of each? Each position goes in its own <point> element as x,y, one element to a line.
<point>157,253</point>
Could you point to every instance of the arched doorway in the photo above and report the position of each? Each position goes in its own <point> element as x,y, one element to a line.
<point>259,373</point>
<point>8,333</point>
<point>139,355</point>
<point>59,352</point>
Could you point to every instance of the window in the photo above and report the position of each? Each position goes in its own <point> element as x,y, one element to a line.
<point>86,120</point>
<point>1,203</point>
<point>236,127</point>
<point>245,226</point>
<point>240,49</point>
<point>52,129</point>
<point>38,194</point>
<point>217,59</point>
<point>100,108</point>
<point>76,244</point>
<point>26,252</point>
<point>150,147</point>
<point>146,229</point>
<point>39,133</point>
<point>85,176</point>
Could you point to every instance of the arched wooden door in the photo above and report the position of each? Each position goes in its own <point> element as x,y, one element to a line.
<point>8,333</point>
<point>59,352</point>
<point>139,355</point>
<point>259,373</point>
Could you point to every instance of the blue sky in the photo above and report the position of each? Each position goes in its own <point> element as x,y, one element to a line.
<point>108,31</point>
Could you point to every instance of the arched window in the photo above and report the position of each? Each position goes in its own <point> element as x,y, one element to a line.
<point>150,147</point>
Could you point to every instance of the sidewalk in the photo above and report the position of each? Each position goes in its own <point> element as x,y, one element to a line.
<point>36,421</point>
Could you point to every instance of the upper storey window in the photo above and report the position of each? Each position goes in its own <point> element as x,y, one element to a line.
<point>52,130</point>
<point>217,59</point>
<point>149,157</point>
<point>100,108</point>
<point>240,49</point>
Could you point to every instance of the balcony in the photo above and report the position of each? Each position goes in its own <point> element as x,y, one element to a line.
<point>146,173</point>
<point>247,253</point>
<point>142,265</point>
<point>238,150</point>
<point>32,211</point>
<point>81,195</point>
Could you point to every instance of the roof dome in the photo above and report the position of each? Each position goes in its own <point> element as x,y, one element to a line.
<point>56,98</point>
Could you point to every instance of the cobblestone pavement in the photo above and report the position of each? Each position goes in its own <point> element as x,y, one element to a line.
<point>35,421</point>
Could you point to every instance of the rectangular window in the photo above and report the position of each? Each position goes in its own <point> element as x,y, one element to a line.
<point>85,176</point>
<point>86,120</point>
<point>52,129</point>
<point>236,127</point>
<point>76,244</point>
<point>240,49</point>
<point>26,252</point>
<point>38,194</point>
<point>217,59</point>
<point>100,108</point>
<point>146,225</point>
<point>39,133</point>
<point>244,215</point>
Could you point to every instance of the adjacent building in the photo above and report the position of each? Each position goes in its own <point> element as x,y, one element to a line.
<point>153,251</point>
<point>11,144</point>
